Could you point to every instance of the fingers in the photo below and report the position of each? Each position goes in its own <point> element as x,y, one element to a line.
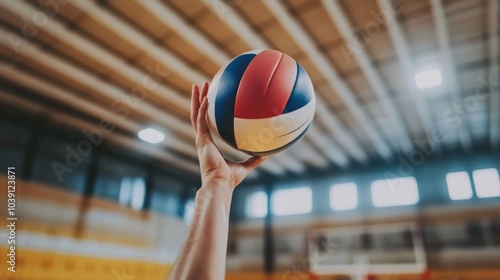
<point>203,133</point>
<point>202,122</point>
<point>204,91</point>
<point>196,100</point>
<point>195,105</point>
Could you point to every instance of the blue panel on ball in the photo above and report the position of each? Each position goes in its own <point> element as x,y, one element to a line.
<point>302,92</point>
<point>226,96</point>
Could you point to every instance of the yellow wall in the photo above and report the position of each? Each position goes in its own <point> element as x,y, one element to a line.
<point>35,265</point>
<point>51,213</point>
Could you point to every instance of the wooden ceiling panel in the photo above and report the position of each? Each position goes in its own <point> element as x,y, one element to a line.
<point>411,7</point>
<point>421,35</point>
<point>362,15</point>
<point>361,88</point>
<point>343,59</point>
<point>328,94</point>
<point>380,46</point>
<point>91,63</point>
<point>67,12</point>
<point>44,72</point>
<point>469,52</point>
<point>25,28</point>
<point>410,116</point>
<point>139,17</point>
<point>311,69</point>
<point>237,47</point>
<point>280,39</point>
<point>185,50</point>
<point>319,24</point>
<point>170,78</point>
<point>108,38</point>
<point>394,77</point>
<point>188,8</point>
<point>469,27</point>
<point>298,3</point>
<point>212,25</point>
<point>208,67</point>
<point>255,11</point>
<point>168,75</point>
<point>460,6</point>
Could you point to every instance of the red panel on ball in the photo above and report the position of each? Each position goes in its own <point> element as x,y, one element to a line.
<point>266,86</point>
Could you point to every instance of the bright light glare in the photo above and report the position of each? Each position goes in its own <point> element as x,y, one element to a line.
<point>257,205</point>
<point>428,78</point>
<point>394,192</point>
<point>292,201</point>
<point>343,196</point>
<point>487,182</point>
<point>459,186</point>
<point>151,135</point>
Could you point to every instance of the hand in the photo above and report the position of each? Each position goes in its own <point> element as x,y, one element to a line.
<point>215,169</point>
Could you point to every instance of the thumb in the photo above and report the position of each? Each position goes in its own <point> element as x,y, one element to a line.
<point>251,163</point>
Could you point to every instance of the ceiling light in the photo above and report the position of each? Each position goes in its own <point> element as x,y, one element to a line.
<point>428,78</point>
<point>151,135</point>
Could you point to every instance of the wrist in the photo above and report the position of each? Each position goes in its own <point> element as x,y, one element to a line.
<point>217,182</point>
<point>215,187</point>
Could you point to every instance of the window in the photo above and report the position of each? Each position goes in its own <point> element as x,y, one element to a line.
<point>394,192</point>
<point>120,181</point>
<point>132,192</point>
<point>14,141</point>
<point>256,205</point>
<point>59,162</point>
<point>343,196</point>
<point>189,208</point>
<point>165,195</point>
<point>292,201</point>
<point>459,186</point>
<point>486,182</point>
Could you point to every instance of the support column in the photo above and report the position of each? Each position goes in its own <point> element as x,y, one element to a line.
<point>268,233</point>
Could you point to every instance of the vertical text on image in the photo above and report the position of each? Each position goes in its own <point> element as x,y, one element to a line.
<point>11,218</point>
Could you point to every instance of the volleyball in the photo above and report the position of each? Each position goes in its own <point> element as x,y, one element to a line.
<point>261,102</point>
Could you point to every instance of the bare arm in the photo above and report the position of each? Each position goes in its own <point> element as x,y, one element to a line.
<point>204,253</point>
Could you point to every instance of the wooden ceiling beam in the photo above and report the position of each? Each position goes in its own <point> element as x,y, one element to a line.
<point>304,41</point>
<point>396,34</point>
<point>337,15</point>
<point>449,72</point>
<point>494,72</point>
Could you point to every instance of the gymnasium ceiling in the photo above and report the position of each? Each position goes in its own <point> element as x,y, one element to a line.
<point>78,61</point>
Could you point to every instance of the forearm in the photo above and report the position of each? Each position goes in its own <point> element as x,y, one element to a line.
<point>204,252</point>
